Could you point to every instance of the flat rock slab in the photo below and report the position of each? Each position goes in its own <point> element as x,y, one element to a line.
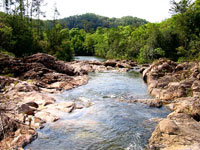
<point>178,131</point>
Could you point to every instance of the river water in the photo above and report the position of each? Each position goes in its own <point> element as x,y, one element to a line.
<point>107,123</point>
<point>90,58</point>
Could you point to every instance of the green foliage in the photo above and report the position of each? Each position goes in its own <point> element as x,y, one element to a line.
<point>4,52</point>
<point>65,52</point>
<point>5,35</point>
<point>90,22</point>
<point>180,7</point>
<point>177,38</point>
<point>9,75</point>
<point>77,38</point>
<point>148,54</point>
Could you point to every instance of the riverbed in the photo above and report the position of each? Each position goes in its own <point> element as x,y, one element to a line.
<point>108,122</point>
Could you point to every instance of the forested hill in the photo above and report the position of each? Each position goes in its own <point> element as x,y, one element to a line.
<point>90,21</point>
<point>177,38</point>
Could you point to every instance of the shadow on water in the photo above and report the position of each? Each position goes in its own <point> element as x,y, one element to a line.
<point>107,124</point>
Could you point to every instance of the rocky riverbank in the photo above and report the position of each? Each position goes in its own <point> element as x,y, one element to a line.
<point>177,86</point>
<point>27,85</point>
<point>26,88</point>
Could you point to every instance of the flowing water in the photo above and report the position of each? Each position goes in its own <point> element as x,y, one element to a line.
<point>107,123</point>
<point>90,58</point>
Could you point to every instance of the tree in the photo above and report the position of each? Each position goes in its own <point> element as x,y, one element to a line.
<point>89,43</point>
<point>5,36</point>
<point>179,7</point>
<point>38,4</point>
<point>56,13</point>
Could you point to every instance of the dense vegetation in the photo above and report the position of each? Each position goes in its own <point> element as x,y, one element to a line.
<point>177,38</point>
<point>90,22</point>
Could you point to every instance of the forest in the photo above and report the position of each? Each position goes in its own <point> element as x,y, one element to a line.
<point>22,33</point>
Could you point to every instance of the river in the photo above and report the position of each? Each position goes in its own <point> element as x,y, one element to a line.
<point>109,123</point>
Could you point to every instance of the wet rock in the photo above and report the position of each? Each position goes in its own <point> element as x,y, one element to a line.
<point>68,104</point>
<point>150,102</point>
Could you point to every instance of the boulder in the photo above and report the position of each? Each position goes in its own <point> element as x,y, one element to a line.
<point>142,69</point>
<point>123,65</point>
<point>46,116</point>
<point>27,109</point>
<point>8,124</point>
<point>178,130</point>
<point>155,103</point>
<point>179,67</point>
<point>32,104</point>
<point>51,62</point>
<point>168,127</point>
<point>6,81</point>
<point>39,98</point>
<point>111,63</point>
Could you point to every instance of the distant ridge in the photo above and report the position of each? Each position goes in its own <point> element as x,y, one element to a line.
<point>91,21</point>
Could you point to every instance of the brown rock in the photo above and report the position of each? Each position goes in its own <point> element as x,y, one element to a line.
<point>26,109</point>
<point>46,116</point>
<point>155,103</point>
<point>179,67</point>
<point>39,98</point>
<point>111,63</point>
<point>178,130</point>
<point>32,104</point>
<point>142,69</point>
<point>168,126</point>
<point>123,65</point>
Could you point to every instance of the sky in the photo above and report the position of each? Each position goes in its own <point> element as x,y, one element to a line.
<point>151,10</point>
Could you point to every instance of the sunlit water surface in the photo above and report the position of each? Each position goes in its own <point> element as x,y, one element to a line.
<point>90,58</point>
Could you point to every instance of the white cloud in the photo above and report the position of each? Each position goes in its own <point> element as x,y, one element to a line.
<point>151,10</point>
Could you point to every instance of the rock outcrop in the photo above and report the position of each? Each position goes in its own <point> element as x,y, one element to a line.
<point>177,87</point>
<point>109,65</point>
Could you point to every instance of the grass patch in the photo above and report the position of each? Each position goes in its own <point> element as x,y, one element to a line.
<point>4,52</point>
<point>7,97</point>
<point>9,75</point>
<point>30,81</point>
